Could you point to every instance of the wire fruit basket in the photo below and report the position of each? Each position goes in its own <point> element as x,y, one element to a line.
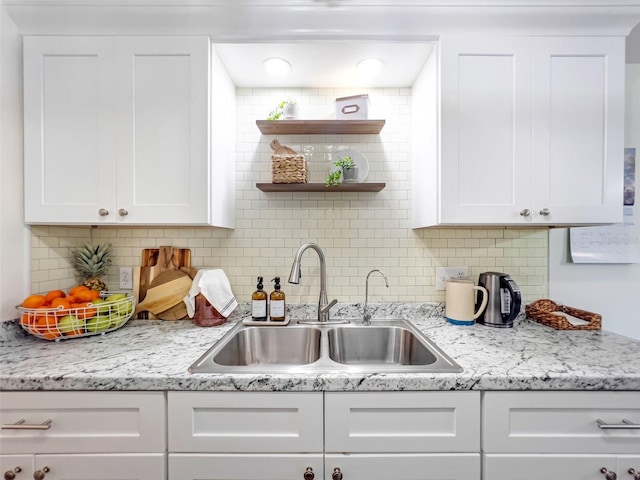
<point>110,312</point>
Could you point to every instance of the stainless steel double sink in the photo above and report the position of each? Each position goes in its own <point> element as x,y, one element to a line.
<point>385,346</point>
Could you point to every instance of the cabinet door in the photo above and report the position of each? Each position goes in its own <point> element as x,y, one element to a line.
<point>579,132</point>
<point>69,130</point>
<point>629,465</point>
<point>485,130</point>
<point>404,466</point>
<point>243,422</point>
<point>553,467</point>
<point>550,422</point>
<point>243,466</point>
<point>402,422</point>
<point>20,465</point>
<point>83,422</point>
<point>162,86</point>
<point>103,467</point>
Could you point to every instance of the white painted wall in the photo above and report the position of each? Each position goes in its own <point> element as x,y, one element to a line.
<point>14,236</point>
<point>611,290</point>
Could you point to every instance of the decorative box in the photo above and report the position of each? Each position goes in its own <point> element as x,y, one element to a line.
<point>355,107</point>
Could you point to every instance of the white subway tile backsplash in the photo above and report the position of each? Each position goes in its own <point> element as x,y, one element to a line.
<point>357,231</point>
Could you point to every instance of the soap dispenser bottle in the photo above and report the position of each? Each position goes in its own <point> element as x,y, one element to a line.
<point>259,303</point>
<point>276,299</point>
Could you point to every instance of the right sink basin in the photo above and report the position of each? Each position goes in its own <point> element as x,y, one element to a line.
<point>376,345</point>
<point>387,346</point>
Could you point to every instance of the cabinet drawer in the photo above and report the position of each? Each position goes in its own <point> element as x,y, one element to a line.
<point>252,422</point>
<point>405,466</point>
<point>83,422</point>
<point>554,422</point>
<point>402,422</point>
<point>562,466</point>
<point>202,466</point>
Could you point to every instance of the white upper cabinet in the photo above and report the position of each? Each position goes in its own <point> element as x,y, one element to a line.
<point>118,131</point>
<point>526,131</point>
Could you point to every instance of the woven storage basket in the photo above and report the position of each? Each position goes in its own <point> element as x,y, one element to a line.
<point>541,312</point>
<point>287,168</point>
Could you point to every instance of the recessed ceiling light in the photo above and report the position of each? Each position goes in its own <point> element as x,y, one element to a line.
<point>369,67</point>
<point>276,66</point>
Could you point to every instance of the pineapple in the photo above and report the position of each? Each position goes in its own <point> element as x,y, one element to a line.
<point>91,263</point>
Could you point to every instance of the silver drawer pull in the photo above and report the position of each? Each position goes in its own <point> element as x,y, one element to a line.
<point>20,425</point>
<point>625,425</point>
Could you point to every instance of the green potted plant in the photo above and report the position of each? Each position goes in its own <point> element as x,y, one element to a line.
<point>348,172</point>
<point>286,109</point>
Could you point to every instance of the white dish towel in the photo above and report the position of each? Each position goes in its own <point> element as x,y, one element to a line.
<point>215,287</point>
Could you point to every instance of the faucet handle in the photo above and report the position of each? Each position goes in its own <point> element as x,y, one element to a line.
<point>328,306</point>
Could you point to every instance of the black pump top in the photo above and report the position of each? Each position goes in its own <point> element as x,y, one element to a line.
<point>277,285</point>
<point>259,286</point>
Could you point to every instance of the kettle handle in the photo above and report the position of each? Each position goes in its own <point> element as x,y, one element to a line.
<point>485,299</point>
<point>516,298</point>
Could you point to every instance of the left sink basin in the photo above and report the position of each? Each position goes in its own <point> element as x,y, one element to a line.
<point>261,348</point>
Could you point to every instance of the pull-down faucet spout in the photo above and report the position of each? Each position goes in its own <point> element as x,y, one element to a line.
<point>294,277</point>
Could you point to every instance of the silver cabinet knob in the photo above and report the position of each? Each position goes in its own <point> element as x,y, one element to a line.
<point>525,213</point>
<point>545,212</point>
<point>39,474</point>
<point>11,474</point>
<point>103,212</point>
<point>634,473</point>
<point>123,212</point>
<point>608,474</point>
<point>337,474</point>
<point>308,474</point>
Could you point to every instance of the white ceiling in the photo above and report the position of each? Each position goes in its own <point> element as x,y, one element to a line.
<point>324,39</point>
<point>324,64</point>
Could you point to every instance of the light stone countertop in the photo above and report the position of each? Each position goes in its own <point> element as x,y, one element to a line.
<point>155,355</point>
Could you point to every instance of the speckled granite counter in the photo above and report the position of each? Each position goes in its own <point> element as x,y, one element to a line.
<point>155,355</point>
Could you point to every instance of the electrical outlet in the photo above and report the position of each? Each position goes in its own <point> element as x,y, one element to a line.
<point>126,277</point>
<point>445,273</point>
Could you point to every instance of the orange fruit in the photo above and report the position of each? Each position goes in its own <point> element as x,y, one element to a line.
<point>27,319</point>
<point>94,294</point>
<point>53,294</point>
<point>84,295</point>
<point>86,312</point>
<point>34,301</point>
<point>46,323</point>
<point>78,288</point>
<point>60,303</point>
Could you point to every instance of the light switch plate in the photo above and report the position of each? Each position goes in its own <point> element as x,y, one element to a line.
<point>445,273</point>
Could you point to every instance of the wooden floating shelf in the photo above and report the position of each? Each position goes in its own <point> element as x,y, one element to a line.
<point>322,127</point>
<point>320,187</point>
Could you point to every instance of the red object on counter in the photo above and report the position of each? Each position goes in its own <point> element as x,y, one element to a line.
<point>205,314</point>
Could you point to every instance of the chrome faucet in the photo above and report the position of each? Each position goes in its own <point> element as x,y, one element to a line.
<point>294,277</point>
<point>366,320</point>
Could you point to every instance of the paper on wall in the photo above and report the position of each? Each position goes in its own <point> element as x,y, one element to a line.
<point>606,244</point>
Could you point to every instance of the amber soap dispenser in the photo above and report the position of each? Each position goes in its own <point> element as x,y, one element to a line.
<point>276,299</point>
<point>259,303</point>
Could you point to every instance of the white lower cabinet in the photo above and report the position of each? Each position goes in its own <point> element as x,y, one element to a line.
<point>402,435</point>
<point>561,435</point>
<point>222,466</point>
<point>84,466</point>
<point>83,435</point>
<point>245,435</point>
<point>364,435</point>
<point>559,466</point>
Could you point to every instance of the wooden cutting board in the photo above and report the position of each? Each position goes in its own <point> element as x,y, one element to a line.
<point>167,292</point>
<point>154,262</point>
